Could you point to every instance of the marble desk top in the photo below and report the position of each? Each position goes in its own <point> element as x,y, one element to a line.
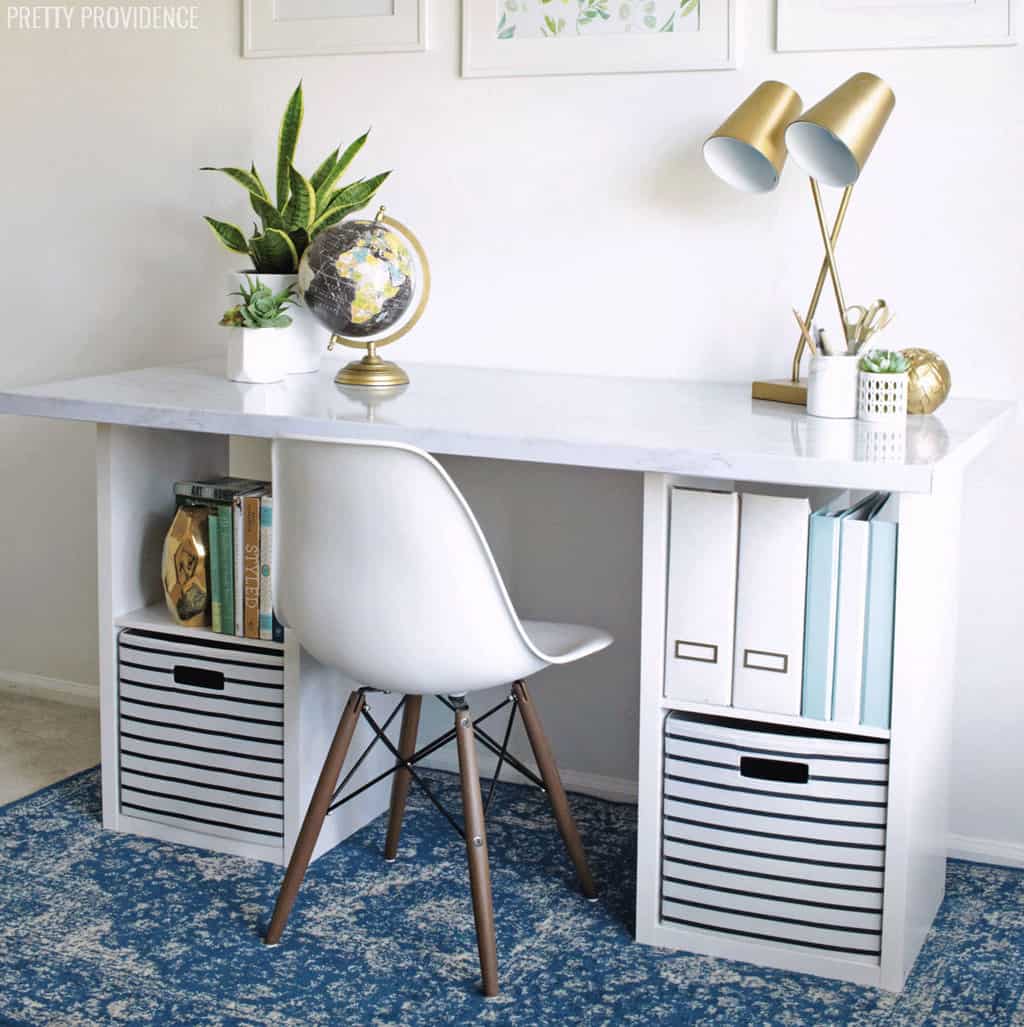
<point>690,428</point>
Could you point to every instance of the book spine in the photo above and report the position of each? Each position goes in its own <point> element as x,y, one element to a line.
<point>879,631</point>
<point>251,567</point>
<point>847,681</point>
<point>238,527</point>
<point>223,490</point>
<point>820,616</point>
<point>216,608</point>
<point>226,553</point>
<point>266,542</point>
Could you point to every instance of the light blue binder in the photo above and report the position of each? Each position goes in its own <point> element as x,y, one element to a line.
<point>823,537</point>
<point>879,625</point>
<point>820,615</point>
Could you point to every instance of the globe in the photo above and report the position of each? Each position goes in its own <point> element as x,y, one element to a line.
<point>368,283</point>
<point>358,279</point>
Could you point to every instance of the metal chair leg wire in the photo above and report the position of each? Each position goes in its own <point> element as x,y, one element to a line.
<point>409,763</point>
<point>466,733</point>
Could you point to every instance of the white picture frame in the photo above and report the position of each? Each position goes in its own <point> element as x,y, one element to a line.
<point>302,28</point>
<point>712,46</point>
<point>893,24</point>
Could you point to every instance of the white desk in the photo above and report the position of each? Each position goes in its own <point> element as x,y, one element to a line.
<point>162,424</point>
<point>627,424</point>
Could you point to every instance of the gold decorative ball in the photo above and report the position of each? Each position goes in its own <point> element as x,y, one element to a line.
<point>928,381</point>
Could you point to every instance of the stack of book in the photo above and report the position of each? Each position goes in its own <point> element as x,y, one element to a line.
<point>241,517</point>
<point>781,609</point>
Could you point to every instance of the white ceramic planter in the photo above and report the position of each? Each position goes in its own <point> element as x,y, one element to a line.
<point>832,387</point>
<point>306,339</point>
<point>257,355</point>
<point>882,397</point>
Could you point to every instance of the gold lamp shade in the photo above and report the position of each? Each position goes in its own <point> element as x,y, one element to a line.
<point>833,140</point>
<point>749,150</point>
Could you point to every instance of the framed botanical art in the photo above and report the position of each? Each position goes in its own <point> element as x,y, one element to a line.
<point>890,24</point>
<point>299,28</point>
<point>577,37</point>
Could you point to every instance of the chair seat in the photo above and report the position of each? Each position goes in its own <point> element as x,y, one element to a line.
<point>565,643</point>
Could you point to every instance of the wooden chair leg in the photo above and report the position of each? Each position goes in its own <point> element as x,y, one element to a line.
<point>476,853</point>
<point>314,819</point>
<point>403,779</point>
<point>556,793</point>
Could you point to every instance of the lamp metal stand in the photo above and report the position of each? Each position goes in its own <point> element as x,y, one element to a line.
<point>794,389</point>
<point>812,307</point>
<point>830,256</point>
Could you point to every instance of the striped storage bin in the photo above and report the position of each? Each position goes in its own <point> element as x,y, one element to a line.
<point>775,835</point>
<point>201,741</point>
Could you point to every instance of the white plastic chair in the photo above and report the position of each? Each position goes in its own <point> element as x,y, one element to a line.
<point>382,572</point>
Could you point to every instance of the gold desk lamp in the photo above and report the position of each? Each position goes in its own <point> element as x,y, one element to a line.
<point>831,142</point>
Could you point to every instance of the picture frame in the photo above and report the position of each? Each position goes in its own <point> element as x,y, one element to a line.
<point>580,37</point>
<point>301,28</point>
<point>893,24</point>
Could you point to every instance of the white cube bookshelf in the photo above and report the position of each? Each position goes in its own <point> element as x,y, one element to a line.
<point>136,471</point>
<point>918,744</point>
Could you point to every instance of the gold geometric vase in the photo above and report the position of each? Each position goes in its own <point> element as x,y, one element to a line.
<point>185,567</point>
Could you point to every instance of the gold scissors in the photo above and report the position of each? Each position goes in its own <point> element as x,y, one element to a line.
<point>863,322</point>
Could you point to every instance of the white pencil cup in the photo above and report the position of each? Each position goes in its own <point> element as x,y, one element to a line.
<point>832,386</point>
<point>883,397</point>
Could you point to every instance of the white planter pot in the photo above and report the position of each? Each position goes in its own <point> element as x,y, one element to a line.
<point>306,339</point>
<point>257,355</point>
<point>882,397</point>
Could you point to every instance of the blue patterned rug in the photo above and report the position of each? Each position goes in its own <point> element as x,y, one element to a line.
<point>97,928</point>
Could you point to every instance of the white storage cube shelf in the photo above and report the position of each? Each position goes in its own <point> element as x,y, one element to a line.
<point>201,735</point>
<point>838,875</point>
<point>207,739</point>
<point>774,834</point>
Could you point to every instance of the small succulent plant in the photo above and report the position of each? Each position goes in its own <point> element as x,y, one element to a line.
<point>884,361</point>
<point>260,308</point>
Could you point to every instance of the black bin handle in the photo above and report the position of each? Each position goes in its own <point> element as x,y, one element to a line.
<point>775,770</point>
<point>199,677</point>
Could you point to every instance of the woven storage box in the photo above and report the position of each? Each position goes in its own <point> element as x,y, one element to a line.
<point>775,835</point>
<point>201,739</point>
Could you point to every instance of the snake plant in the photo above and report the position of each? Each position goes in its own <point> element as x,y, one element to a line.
<point>883,361</point>
<point>301,207</point>
<point>260,307</point>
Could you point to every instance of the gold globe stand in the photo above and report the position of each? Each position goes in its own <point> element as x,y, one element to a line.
<point>372,372</point>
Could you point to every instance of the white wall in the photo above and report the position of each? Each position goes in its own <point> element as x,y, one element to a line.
<point>571,226</point>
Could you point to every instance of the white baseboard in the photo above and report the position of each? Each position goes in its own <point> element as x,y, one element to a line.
<point>72,692</point>
<point>614,789</point>
<point>986,850</point>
